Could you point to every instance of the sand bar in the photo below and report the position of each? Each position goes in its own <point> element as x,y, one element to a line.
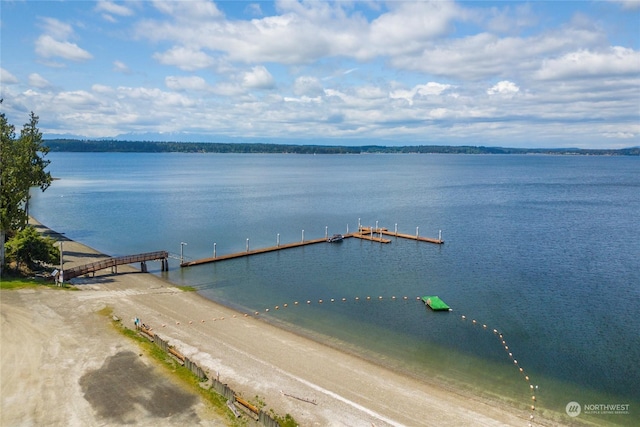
<point>50,339</point>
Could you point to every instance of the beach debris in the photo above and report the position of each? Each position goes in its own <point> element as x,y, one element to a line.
<point>303,399</point>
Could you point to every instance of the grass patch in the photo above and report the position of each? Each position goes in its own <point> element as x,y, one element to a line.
<point>186,288</point>
<point>217,402</point>
<point>106,311</point>
<point>24,282</point>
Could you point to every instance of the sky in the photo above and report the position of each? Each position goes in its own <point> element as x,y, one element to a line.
<point>537,74</point>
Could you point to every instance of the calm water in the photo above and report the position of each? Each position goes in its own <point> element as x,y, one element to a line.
<point>544,248</point>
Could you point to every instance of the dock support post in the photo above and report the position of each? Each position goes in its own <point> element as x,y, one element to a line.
<point>417,234</point>
<point>214,249</point>
<point>440,235</point>
<point>302,236</point>
<point>278,240</point>
<point>143,267</point>
<point>326,232</point>
<point>347,228</point>
<point>359,226</point>
<point>182,245</point>
<point>376,226</point>
<point>247,245</point>
<point>396,229</point>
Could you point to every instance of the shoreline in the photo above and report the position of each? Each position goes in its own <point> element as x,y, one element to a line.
<point>259,358</point>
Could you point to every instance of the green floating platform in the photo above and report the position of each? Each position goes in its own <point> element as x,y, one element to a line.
<point>435,303</point>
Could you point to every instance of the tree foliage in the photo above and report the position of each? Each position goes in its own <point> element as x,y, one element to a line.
<point>28,248</point>
<point>22,167</point>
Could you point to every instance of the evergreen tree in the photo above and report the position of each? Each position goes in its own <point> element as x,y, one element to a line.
<point>22,166</point>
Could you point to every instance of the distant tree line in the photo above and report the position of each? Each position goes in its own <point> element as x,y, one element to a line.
<point>76,145</point>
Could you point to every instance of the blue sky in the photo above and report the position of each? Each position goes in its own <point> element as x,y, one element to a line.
<point>501,73</point>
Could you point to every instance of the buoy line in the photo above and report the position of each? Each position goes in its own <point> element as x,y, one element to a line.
<point>533,389</point>
<point>499,335</point>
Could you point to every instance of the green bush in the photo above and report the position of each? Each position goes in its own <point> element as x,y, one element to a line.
<point>29,249</point>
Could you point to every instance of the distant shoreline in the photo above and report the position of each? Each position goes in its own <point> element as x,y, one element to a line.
<point>123,146</point>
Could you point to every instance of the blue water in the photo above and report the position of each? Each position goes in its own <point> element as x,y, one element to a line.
<point>543,248</point>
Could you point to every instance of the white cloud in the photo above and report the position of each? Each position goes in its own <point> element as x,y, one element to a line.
<point>586,63</point>
<point>102,89</point>
<point>36,80</point>
<point>113,8</point>
<point>121,67</point>
<point>258,78</point>
<point>627,4</point>
<point>185,58</point>
<point>6,78</point>
<point>429,89</point>
<point>78,98</point>
<point>48,47</point>
<point>408,25</point>
<point>193,83</point>
<point>55,28</point>
<point>53,43</point>
<point>503,87</point>
<point>307,85</point>
<point>198,10</point>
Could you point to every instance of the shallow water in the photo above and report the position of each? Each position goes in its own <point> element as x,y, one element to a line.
<point>542,248</point>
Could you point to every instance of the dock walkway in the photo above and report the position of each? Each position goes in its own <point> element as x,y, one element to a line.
<point>114,262</point>
<point>365,233</point>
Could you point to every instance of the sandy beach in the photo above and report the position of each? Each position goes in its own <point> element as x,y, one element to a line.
<point>53,340</point>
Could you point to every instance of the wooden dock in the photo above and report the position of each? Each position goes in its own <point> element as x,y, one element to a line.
<point>253,252</point>
<point>412,237</point>
<point>114,262</point>
<point>364,233</point>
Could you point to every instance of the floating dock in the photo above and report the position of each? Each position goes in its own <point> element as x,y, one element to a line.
<point>364,233</point>
<point>435,303</point>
